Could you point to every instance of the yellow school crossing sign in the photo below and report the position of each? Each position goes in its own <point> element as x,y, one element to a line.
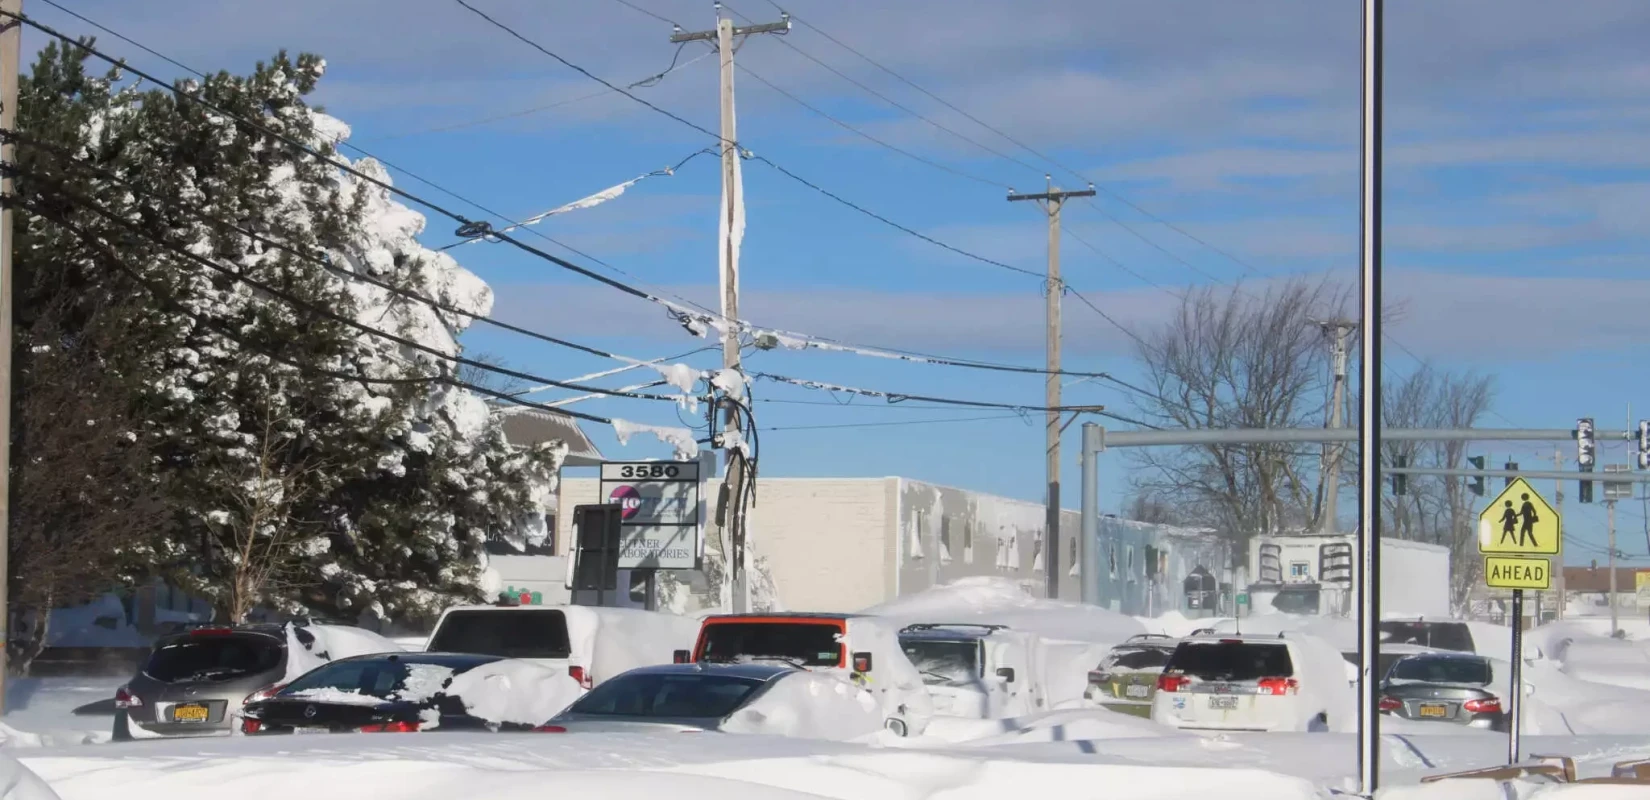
<point>1516,531</point>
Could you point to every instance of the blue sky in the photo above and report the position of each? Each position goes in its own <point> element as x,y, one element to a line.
<point>1518,189</point>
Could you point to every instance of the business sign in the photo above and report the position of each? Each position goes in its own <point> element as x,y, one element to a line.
<point>659,514</point>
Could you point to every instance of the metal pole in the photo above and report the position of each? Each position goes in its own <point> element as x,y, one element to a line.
<point>1615,622</point>
<point>11,46</point>
<point>1369,418</point>
<point>1189,436</point>
<point>1089,547</point>
<point>1515,708</point>
<point>1051,554</point>
<point>1558,563</point>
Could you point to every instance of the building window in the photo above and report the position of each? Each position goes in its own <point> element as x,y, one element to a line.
<point>915,548</point>
<point>968,541</point>
<point>945,539</point>
<point>1111,547</point>
<point>1298,570</point>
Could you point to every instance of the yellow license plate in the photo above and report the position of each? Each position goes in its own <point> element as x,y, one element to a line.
<point>190,713</point>
<point>1434,710</point>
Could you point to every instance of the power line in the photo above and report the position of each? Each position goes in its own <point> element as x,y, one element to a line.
<point>896,423</point>
<point>303,305</point>
<point>222,329</point>
<point>898,397</point>
<point>474,228</point>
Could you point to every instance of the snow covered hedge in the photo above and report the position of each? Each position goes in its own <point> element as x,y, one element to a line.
<point>308,466</point>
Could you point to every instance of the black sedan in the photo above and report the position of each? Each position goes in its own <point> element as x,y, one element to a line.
<point>385,693</point>
<point>1444,687</point>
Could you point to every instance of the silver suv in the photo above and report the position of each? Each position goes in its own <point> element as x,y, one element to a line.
<point>193,682</point>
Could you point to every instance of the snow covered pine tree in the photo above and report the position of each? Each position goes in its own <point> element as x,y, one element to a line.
<point>292,490</point>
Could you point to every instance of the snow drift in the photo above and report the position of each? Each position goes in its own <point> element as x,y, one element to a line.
<point>999,601</point>
<point>512,691</point>
<point>811,705</point>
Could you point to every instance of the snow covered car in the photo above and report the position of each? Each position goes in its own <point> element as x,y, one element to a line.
<point>194,682</point>
<point>1444,687</point>
<point>861,648</point>
<point>1439,634</point>
<point>762,698</point>
<point>588,643</point>
<point>389,693</point>
<point>1251,683</point>
<point>976,670</point>
<point>1127,678</point>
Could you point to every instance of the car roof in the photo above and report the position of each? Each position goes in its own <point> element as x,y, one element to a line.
<point>207,633</point>
<point>776,616</point>
<point>1243,638</point>
<point>1447,654</point>
<point>454,660</point>
<point>950,631</point>
<point>756,670</point>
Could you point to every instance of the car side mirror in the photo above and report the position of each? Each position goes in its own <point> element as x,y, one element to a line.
<point>862,662</point>
<point>679,657</point>
<point>1006,673</point>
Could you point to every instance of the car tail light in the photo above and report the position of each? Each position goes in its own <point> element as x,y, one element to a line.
<point>390,727</point>
<point>549,729</point>
<point>1486,706</point>
<point>1172,683</point>
<point>264,693</point>
<point>579,674</point>
<point>125,699</point>
<point>1279,686</point>
<point>251,725</point>
<point>1390,704</point>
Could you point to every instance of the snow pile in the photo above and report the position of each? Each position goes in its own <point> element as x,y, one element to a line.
<point>1340,632</point>
<point>338,697</point>
<point>1000,601</point>
<point>1067,725</point>
<point>1321,671</point>
<point>1561,704</point>
<point>895,683</point>
<point>18,782</point>
<point>1513,790</point>
<point>812,705</point>
<point>514,691</point>
<point>617,640</point>
<point>1176,624</point>
<point>339,641</point>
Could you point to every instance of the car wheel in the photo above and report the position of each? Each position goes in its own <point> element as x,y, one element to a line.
<point>898,727</point>
<point>123,727</point>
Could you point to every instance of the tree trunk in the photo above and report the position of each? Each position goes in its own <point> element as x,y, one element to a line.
<point>37,644</point>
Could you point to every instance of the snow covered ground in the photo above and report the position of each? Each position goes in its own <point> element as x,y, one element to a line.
<point>1591,701</point>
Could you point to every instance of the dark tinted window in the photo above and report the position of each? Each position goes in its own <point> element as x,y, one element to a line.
<point>1441,635</point>
<point>512,633</point>
<point>1231,661</point>
<point>1138,658</point>
<point>380,678</point>
<point>942,662</point>
<point>665,695</point>
<point>1433,669</point>
<point>214,658</point>
<point>814,644</point>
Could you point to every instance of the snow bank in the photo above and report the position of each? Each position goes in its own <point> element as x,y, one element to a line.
<point>514,691</point>
<point>338,641</point>
<point>895,683</point>
<point>1068,725</point>
<point>18,782</point>
<point>811,705</point>
<point>1515,790</point>
<point>1322,674</point>
<point>621,639</point>
<point>1340,632</point>
<point>1176,624</point>
<point>1000,601</point>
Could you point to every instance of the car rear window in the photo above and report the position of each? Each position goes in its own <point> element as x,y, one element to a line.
<point>1431,669</point>
<point>1441,635</point>
<point>380,678</point>
<point>1138,658</point>
<point>944,661</point>
<point>214,658</point>
<point>667,695</point>
<point>813,644</point>
<point>507,633</point>
<point>1231,661</point>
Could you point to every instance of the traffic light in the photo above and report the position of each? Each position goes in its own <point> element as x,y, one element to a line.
<point>1400,481</point>
<point>1476,485</point>
<point>1644,444</point>
<point>1512,466</point>
<point>1586,447</point>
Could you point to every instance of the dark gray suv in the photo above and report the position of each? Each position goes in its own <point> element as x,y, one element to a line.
<point>194,682</point>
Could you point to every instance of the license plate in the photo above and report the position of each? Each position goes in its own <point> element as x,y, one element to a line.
<point>1223,702</point>
<point>189,713</point>
<point>1137,691</point>
<point>1434,710</point>
<point>311,730</point>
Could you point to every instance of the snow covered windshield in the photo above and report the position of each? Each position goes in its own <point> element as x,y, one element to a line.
<point>214,658</point>
<point>944,661</point>
<point>666,695</point>
<point>812,644</point>
<point>1441,635</point>
<point>381,679</point>
<point>1231,661</point>
<point>1432,669</point>
<point>1134,659</point>
<point>507,633</point>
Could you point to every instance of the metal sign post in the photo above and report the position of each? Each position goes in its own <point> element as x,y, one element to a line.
<point>1515,706</point>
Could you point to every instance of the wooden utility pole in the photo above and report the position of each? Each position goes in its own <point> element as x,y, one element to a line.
<point>1052,201</point>
<point>1336,330</point>
<point>738,561</point>
<point>11,60</point>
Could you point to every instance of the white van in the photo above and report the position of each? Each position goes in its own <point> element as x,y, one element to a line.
<point>1250,683</point>
<point>977,671</point>
<point>591,643</point>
